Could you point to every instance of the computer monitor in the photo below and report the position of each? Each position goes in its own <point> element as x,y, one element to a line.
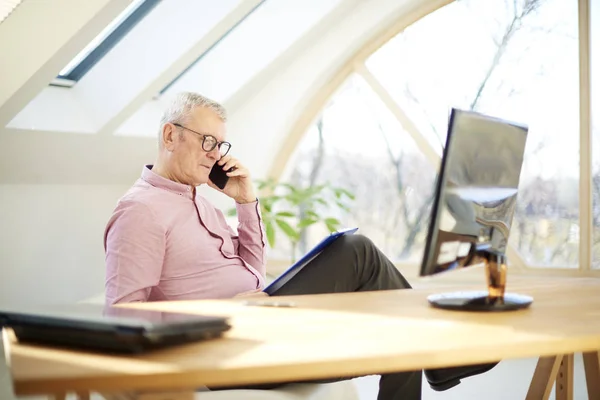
<point>474,204</point>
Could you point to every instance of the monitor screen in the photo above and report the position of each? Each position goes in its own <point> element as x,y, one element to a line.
<point>476,190</point>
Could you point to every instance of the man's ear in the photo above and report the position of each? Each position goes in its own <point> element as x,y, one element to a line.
<point>168,136</point>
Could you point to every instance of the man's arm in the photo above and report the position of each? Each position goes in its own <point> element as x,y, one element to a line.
<point>252,245</point>
<point>135,245</point>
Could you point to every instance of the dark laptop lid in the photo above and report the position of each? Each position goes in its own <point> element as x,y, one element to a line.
<point>109,319</point>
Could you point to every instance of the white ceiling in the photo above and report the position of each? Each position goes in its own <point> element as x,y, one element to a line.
<point>262,59</point>
<point>6,7</point>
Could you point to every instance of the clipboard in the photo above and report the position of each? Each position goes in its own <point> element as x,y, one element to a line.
<point>308,257</point>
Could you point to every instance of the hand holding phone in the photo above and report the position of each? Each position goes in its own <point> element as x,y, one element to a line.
<point>240,187</point>
<point>218,176</point>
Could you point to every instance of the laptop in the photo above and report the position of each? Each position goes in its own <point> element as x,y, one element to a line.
<point>112,329</point>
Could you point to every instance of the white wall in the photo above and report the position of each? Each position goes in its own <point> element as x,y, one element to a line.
<point>51,248</point>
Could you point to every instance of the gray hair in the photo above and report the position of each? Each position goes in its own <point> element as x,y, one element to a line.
<point>184,103</point>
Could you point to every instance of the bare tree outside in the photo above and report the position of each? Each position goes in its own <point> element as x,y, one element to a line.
<point>394,185</point>
<point>539,199</point>
<point>517,15</point>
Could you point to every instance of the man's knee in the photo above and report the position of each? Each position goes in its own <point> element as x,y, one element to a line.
<point>358,242</point>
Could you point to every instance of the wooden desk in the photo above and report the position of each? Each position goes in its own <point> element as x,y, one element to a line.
<point>343,335</point>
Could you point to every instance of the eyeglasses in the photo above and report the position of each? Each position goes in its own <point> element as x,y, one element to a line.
<point>209,142</point>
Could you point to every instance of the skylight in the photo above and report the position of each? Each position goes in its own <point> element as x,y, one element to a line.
<point>236,58</point>
<point>108,38</point>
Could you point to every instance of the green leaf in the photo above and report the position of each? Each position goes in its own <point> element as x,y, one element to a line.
<point>289,186</point>
<point>348,194</point>
<point>231,212</point>
<point>307,222</point>
<point>266,207</point>
<point>268,202</point>
<point>270,229</point>
<point>321,201</point>
<point>341,191</point>
<point>285,214</point>
<point>295,198</point>
<point>287,229</point>
<point>343,206</point>
<point>314,190</point>
<point>332,224</point>
<point>312,214</point>
<point>331,220</point>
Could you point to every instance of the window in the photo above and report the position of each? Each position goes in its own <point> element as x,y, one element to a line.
<point>357,144</point>
<point>595,117</point>
<point>105,41</point>
<point>511,59</point>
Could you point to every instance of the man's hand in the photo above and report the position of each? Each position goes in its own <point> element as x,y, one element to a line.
<point>252,293</point>
<point>239,187</point>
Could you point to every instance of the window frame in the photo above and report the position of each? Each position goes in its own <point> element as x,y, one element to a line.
<point>106,45</point>
<point>356,64</point>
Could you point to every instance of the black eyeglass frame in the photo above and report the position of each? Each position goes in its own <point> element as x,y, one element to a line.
<point>217,143</point>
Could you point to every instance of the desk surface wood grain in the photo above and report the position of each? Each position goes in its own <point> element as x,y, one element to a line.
<point>338,335</point>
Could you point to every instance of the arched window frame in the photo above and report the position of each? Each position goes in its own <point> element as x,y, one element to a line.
<point>357,65</point>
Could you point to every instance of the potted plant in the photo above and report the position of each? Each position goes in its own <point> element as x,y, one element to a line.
<point>291,209</point>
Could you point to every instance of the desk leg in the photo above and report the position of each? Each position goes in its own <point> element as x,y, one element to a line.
<point>544,378</point>
<point>564,379</point>
<point>591,362</point>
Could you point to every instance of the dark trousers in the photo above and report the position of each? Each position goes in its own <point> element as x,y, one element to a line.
<point>353,264</point>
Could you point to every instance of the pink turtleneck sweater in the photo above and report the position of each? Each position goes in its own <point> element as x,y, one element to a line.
<point>162,244</point>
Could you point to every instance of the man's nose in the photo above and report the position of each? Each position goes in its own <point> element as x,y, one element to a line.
<point>215,153</point>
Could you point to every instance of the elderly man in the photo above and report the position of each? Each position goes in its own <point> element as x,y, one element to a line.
<point>165,242</point>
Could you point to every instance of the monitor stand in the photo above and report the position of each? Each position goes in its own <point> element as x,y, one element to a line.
<point>495,299</point>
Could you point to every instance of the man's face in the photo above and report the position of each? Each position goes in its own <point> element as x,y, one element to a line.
<point>190,163</point>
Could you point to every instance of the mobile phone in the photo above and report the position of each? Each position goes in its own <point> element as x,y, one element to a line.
<point>218,176</point>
